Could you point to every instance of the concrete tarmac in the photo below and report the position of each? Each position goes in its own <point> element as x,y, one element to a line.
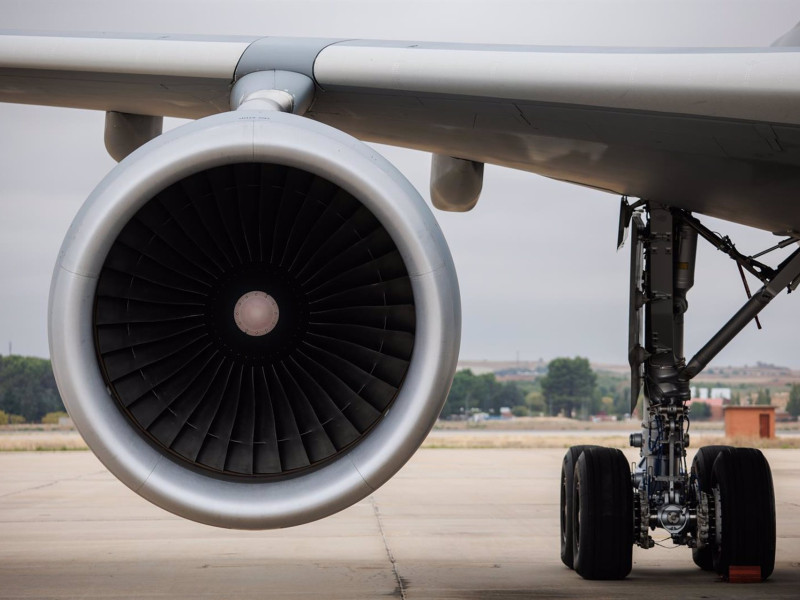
<point>466,524</point>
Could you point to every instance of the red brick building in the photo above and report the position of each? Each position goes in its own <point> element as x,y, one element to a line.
<point>750,421</point>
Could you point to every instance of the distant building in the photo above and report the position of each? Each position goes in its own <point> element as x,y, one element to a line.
<point>750,421</point>
<point>516,375</point>
<point>602,418</point>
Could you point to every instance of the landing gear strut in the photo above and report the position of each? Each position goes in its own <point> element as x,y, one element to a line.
<point>724,508</point>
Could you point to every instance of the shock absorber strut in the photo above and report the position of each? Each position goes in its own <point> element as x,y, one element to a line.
<point>683,282</point>
<point>669,248</point>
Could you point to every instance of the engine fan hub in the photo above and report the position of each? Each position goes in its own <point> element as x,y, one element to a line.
<point>256,313</point>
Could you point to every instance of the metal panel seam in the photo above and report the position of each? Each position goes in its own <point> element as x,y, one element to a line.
<point>366,483</point>
<point>314,62</point>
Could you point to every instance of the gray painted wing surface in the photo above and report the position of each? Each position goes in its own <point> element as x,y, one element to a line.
<point>714,131</point>
<point>163,75</point>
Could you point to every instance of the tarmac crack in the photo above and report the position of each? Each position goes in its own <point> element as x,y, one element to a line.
<point>49,484</point>
<point>401,588</point>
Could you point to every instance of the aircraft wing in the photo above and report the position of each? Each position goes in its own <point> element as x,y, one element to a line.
<point>711,130</point>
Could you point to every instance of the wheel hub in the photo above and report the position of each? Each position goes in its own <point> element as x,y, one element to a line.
<point>673,517</point>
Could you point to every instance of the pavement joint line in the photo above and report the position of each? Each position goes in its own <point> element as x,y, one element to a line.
<point>49,484</point>
<point>392,560</point>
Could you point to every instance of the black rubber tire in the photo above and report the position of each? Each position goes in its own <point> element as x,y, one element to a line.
<point>567,480</point>
<point>701,468</point>
<point>747,498</point>
<point>603,515</point>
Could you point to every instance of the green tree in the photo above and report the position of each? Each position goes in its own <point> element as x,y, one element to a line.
<point>736,399</point>
<point>52,418</point>
<point>622,401</point>
<point>701,410</point>
<point>28,388</point>
<point>535,402</point>
<point>505,394</point>
<point>793,406</point>
<point>764,397</point>
<point>520,411</point>
<point>569,386</point>
<point>9,400</point>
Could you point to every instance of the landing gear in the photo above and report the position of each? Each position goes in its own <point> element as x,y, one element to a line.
<point>724,508</point>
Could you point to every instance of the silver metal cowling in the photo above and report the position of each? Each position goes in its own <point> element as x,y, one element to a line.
<point>295,142</point>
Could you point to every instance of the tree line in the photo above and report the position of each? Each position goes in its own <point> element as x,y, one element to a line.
<point>571,388</point>
<point>480,393</point>
<point>27,389</point>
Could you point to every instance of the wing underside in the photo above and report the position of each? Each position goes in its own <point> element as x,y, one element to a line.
<point>714,131</point>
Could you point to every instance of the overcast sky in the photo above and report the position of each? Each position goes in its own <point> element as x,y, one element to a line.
<point>536,259</point>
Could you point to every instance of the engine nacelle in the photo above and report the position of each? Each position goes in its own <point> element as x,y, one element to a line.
<point>254,320</point>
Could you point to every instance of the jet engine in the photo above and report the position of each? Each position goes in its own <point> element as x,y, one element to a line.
<point>254,320</point>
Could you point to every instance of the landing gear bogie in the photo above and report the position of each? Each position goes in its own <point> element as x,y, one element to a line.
<point>724,508</point>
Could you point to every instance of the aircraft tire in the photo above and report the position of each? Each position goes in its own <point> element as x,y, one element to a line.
<point>701,468</point>
<point>567,483</point>
<point>747,498</point>
<point>602,515</point>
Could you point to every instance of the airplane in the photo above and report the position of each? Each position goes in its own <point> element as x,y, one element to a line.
<point>254,318</point>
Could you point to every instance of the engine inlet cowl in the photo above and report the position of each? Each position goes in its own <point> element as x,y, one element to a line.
<point>254,320</point>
